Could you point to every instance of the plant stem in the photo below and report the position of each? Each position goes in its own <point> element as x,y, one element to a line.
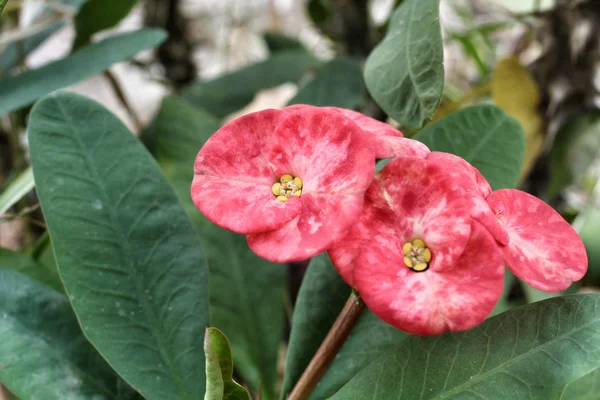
<point>325,354</point>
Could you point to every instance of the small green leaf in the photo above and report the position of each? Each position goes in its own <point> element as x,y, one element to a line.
<point>321,298</point>
<point>246,296</point>
<point>97,15</point>
<point>16,190</point>
<point>531,352</point>
<point>22,89</point>
<point>219,369</point>
<point>26,265</point>
<point>486,137</point>
<point>369,339</point>
<point>43,354</point>
<point>338,83</point>
<point>278,42</point>
<point>129,257</point>
<point>405,72</point>
<point>232,92</point>
<point>2,4</point>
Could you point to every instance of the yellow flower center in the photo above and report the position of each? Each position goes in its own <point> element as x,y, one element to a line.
<point>287,187</point>
<point>416,255</point>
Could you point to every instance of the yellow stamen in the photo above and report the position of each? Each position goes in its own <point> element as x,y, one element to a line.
<point>298,182</point>
<point>282,198</point>
<point>406,248</point>
<point>298,193</point>
<point>276,189</point>
<point>286,178</point>
<point>420,267</point>
<point>407,262</point>
<point>418,243</point>
<point>427,255</point>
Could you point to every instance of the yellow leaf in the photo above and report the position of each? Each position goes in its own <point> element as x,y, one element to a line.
<point>517,94</point>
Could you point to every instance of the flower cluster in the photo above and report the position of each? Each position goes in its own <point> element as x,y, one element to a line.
<point>424,241</point>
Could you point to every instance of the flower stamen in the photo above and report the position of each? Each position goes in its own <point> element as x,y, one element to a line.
<point>287,187</point>
<point>416,255</point>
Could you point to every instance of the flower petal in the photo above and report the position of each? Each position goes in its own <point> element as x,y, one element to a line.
<point>326,150</point>
<point>324,219</point>
<point>544,250</point>
<point>233,179</point>
<point>427,206</point>
<point>430,302</point>
<point>387,141</point>
<point>475,190</point>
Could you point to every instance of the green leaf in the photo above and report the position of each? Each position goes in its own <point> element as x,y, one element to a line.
<point>219,369</point>
<point>246,296</point>
<point>277,42</point>
<point>16,190</point>
<point>369,339</point>
<point>321,298</point>
<point>2,4</point>
<point>486,137</point>
<point>22,89</point>
<point>98,15</point>
<point>232,92</point>
<point>530,352</point>
<point>575,148</point>
<point>26,265</point>
<point>128,255</point>
<point>585,388</point>
<point>43,354</point>
<point>338,83</point>
<point>405,72</point>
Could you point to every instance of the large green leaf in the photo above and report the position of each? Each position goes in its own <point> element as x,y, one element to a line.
<point>97,15</point>
<point>405,72</point>
<point>232,92</point>
<point>16,190</point>
<point>246,293</point>
<point>531,352</point>
<point>26,265</point>
<point>486,137</point>
<point>43,354</point>
<point>321,298</point>
<point>128,255</point>
<point>369,339</point>
<point>219,369</point>
<point>338,83</point>
<point>22,89</point>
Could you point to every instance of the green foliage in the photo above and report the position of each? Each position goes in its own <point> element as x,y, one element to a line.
<point>535,351</point>
<point>575,148</point>
<point>277,42</point>
<point>22,89</point>
<point>338,83</point>
<point>42,350</point>
<point>219,369</point>
<point>97,15</point>
<point>246,292</point>
<point>16,190</point>
<point>128,255</point>
<point>405,72</point>
<point>319,11</point>
<point>321,298</point>
<point>232,92</point>
<point>484,136</point>
<point>2,4</point>
<point>27,265</point>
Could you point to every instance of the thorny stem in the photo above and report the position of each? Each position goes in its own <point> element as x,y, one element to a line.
<point>325,354</point>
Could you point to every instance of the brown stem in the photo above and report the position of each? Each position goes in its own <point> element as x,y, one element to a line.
<point>333,342</point>
<point>123,99</point>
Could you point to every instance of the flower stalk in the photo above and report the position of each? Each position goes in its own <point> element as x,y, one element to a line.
<point>331,345</point>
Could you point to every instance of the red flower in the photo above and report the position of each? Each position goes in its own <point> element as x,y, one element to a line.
<point>543,249</point>
<point>423,263</point>
<point>292,180</point>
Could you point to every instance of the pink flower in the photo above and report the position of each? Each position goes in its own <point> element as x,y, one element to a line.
<point>417,256</point>
<point>292,180</point>
<point>543,249</point>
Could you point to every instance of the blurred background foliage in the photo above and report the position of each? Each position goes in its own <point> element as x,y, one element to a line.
<point>538,60</point>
